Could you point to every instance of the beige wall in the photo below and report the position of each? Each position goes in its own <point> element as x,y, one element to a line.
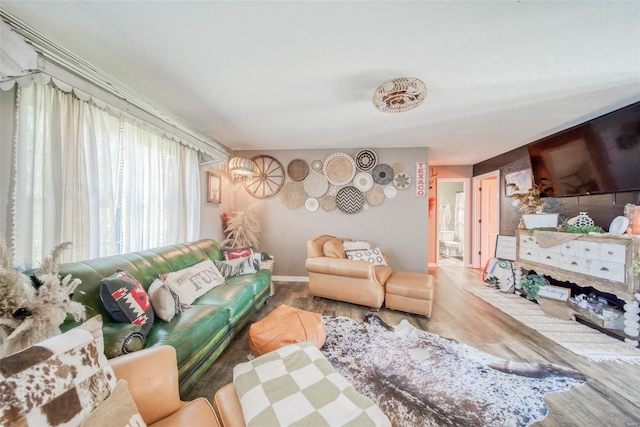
<point>399,226</point>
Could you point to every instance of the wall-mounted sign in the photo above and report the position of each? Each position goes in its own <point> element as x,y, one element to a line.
<point>421,179</point>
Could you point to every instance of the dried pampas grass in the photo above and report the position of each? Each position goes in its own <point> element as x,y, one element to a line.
<point>243,228</point>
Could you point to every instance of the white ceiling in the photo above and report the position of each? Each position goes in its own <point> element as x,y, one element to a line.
<point>295,75</point>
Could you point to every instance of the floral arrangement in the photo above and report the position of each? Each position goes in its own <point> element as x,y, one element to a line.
<point>529,202</point>
<point>242,227</point>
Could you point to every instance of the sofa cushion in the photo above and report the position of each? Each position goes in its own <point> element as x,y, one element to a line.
<point>190,330</point>
<point>333,248</point>
<point>236,298</point>
<point>192,282</point>
<point>246,252</point>
<point>259,281</point>
<point>57,381</point>
<point>164,301</point>
<point>126,300</point>
<point>374,256</point>
<point>118,410</point>
<point>236,267</point>
<point>356,245</point>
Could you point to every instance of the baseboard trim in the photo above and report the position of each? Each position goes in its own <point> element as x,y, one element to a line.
<point>290,278</point>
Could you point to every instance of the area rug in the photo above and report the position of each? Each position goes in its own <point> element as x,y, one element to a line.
<point>576,337</point>
<point>422,379</point>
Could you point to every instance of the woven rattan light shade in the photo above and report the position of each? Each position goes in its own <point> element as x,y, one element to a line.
<point>401,94</point>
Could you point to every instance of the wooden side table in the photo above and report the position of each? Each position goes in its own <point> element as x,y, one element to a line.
<point>268,265</point>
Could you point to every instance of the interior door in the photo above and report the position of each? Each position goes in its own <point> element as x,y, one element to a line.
<point>489,219</point>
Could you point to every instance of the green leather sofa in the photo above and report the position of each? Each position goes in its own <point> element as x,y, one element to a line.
<point>200,333</point>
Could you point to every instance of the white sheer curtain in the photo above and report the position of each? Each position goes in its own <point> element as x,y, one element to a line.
<point>104,183</point>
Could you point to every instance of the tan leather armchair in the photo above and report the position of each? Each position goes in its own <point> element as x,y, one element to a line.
<point>152,375</point>
<point>333,276</point>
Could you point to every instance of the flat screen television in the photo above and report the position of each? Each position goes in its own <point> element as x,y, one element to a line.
<point>596,157</point>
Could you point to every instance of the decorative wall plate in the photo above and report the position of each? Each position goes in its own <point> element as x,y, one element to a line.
<point>317,165</point>
<point>390,191</point>
<point>349,200</point>
<point>366,159</point>
<point>402,181</point>
<point>292,195</point>
<point>398,167</point>
<point>267,179</point>
<point>375,197</point>
<point>311,204</point>
<point>315,184</point>
<point>619,225</point>
<point>339,169</point>
<point>383,174</point>
<point>328,203</point>
<point>363,181</point>
<point>297,169</point>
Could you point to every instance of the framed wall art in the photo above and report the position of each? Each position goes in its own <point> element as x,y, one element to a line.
<point>214,187</point>
<point>518,182</point>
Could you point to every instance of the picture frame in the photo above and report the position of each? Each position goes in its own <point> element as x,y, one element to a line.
<point>518,182</point>
<point>214,187</point>
<point>506,247</point>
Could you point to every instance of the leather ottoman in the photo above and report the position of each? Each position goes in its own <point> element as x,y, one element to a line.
<point>410,292</point>
<point>283,326</point>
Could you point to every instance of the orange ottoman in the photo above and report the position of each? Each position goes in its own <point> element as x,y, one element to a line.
<point>283,326</point>
<point>410,292</point>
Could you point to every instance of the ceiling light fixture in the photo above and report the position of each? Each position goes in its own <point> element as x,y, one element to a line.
<point>240,167</point>
<point>398,95</point>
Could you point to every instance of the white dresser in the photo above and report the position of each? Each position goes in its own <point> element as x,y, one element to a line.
<point>588,260</point>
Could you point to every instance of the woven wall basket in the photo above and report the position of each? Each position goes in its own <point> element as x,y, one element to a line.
<point>328,203</point>
<point>339,169</point>
<point>297,169</point>
<point>375,197</point>
<point>292,195</point>
<point>315,184</point>
<point>349,200</point>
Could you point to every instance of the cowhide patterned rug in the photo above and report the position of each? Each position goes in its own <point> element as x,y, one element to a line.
<point>422,379</point>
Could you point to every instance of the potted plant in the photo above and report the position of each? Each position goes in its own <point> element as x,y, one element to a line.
<point>531,284</point>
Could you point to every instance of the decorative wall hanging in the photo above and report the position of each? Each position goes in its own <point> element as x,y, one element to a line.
<point>398,167</point>
<point>315,184</point>
<point>390,192</point>
<point>328,203</point>
<point>421,179</point>
<point>214,187</point>
<point>363,181</point>
<point>339,169</point>
<point>366,160</point>
<point>267,178</point>
<point>401,94</point>
<point>317,165</point>
<point>293,195</point>
<point>402,181</point>
<point>375,197</point>
<point>518,182</point>
<point>349,200</point>
<point>297,169</point>
<point>311,204</point>
<point>382,174</point>
<point>333,190</point>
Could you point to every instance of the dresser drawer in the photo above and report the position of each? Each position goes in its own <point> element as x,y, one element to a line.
<point>606,270</point>
<point>613,253</point>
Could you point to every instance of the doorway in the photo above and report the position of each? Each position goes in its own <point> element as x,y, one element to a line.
<point>452,207</point>
<point>486,217</point>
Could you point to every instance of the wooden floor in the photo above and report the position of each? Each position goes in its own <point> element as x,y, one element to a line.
<point>611,396</point>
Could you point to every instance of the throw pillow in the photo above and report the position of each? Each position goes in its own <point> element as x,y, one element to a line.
<point>56,382</point>
<point>356,245</point>
<point>236,267</point>
<point>164,301</point>
<point>118,410</point>
<point>193,282</point>
<point>374,256</point>
<point>126,300</point>
<point>232,253</point>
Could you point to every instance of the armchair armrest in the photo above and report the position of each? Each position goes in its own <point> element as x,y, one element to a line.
<point>152,375</point>
<point>341,267</point>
